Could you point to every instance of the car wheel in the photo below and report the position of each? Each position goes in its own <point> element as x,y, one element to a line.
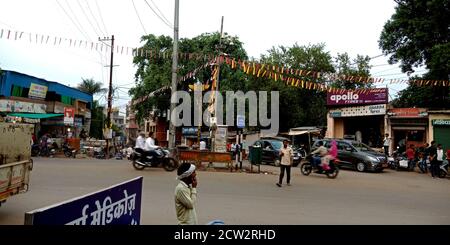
<point>361,167</point>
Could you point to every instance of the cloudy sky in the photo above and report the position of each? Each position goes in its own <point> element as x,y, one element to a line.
<point>351,26</point>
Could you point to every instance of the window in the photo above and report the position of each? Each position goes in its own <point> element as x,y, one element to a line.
<point>343,146</point>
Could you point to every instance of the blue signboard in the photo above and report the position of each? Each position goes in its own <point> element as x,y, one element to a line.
<point>189,131</point>
<point>117,205</point>
<point>240,121</point>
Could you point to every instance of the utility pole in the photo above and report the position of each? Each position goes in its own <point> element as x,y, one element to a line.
<point>219,48</point>
<point>172,129</point>
<point>108,116</point>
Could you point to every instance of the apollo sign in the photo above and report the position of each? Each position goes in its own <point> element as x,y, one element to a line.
<point>370,96</point>
<point>350,96</point>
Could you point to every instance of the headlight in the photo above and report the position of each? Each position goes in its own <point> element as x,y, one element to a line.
<point>373,159</point>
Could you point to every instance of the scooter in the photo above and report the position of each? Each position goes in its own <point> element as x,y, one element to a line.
<point>307,167</point>
<point>159,157</point>
<point>443,169</point>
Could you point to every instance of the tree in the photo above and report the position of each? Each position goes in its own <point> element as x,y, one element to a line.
<point>298,107</point>
<point>91,87</point>
<point>417,35</point>
<point>154,73</point>
<point>357,67</point>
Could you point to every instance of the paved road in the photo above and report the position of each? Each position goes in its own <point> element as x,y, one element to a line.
<point>241,198</point>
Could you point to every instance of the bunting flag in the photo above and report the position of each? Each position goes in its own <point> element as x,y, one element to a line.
<point>275,72</point>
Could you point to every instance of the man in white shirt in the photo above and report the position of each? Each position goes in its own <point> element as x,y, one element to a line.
<point>285,163</point>
<point>150,146</point>
<point>186,195</point>
<point>140,141</point>
<point>202,145</point>
<point>386,144</point>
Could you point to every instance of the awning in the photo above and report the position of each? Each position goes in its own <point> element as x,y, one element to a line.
<point>35,116</point>
<point>315,131</point>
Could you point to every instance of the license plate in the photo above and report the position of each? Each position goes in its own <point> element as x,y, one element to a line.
<point>385,165</point>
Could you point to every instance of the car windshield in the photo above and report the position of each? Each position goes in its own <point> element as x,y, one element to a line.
<point>276,144</point>
<point>362,147</point>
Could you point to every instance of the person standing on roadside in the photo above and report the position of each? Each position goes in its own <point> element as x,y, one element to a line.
<point>186,195</point>
<point>433,160</point>
<point>285,163</point>
<point>386,144</point>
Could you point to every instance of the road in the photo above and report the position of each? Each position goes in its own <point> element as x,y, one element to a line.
<point>242,198</point>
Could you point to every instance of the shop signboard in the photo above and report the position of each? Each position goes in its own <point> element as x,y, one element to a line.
<point>37,91</point>
<point>441,122</point>
<point>189,131</point>
<point>367,97</point>
<point>357,111</point>
<point>20,106</point>
<point>69,116</point>
<point>407,112</point>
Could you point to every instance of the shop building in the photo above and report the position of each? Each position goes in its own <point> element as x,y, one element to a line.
<point>44,103</point>
<point>358,116</point>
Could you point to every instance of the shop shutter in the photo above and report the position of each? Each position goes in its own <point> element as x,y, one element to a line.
<point>442,136</point>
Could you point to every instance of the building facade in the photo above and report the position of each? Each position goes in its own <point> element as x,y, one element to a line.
<point>34,100</point>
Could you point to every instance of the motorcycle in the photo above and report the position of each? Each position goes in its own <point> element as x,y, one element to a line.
<point>69,151</point>
<point>307,167</point>
<point>159,156</point>
<point>443,169</point>
<point>402,162</point>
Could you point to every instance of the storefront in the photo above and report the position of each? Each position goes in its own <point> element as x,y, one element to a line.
<point>357,116</point>
<point>407,126</point>
<point>439,127</point>
<point>360,123</point>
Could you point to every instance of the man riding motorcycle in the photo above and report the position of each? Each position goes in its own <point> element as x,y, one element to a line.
<point>322,153</point>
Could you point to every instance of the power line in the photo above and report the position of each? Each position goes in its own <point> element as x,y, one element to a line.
<point>101,17</point>
<point>93,16</point>
<point>89,21</point>
<point>157,15</point>
<point>76,19</point>
<point>164,17</point>
<point>140,21</point>
<point>73,22</point>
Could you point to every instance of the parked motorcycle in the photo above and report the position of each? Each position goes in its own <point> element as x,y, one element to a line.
<point>160,157</point>
<point>307,167</point>
<point>402,162</point>
<point>69,151</point>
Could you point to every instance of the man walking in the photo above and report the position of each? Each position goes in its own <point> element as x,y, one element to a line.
<point>285,164</point>
<point>186,195</point>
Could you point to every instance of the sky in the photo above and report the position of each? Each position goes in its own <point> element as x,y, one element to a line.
<point>351,26</point>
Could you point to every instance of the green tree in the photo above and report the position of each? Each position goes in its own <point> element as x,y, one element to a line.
<point>417,35</point>
<point>298,107</point>
<point>90,86</point>
<point>154,73</point>
<point>357,67</point>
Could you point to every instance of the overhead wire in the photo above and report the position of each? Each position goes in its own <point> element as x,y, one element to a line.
<point>157,15</point>
<point>137,14</point>
<point>87,18</point>
<point>162,14</point>
<point>93,16</point>
<point>101,17</point>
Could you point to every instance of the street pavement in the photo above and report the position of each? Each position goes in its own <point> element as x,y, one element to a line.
<point>390,197</point>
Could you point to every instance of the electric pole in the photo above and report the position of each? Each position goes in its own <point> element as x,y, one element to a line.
<point>108,116</point>
<point>219,48</point>
<point>172,129</point>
